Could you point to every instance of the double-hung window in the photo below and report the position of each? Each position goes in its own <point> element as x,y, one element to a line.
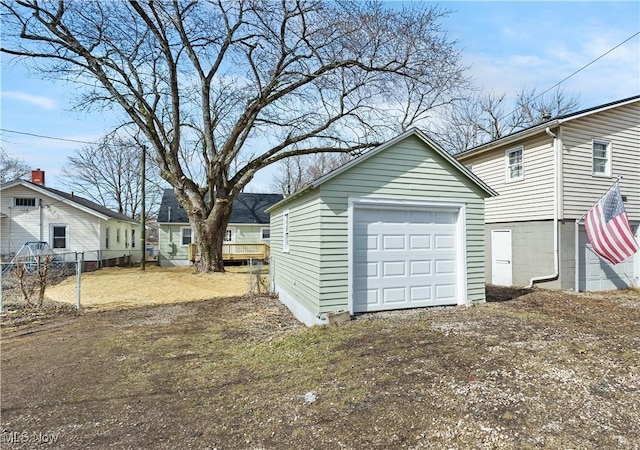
<point>228,236</point>
<point>265,233</point>
<point>185,236</point>
<point>514,164</point>
<point>601,158</point>
<point>59,236</point>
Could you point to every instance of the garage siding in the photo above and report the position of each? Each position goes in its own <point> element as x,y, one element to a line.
<point>409,172</point>
<point>297,272</point>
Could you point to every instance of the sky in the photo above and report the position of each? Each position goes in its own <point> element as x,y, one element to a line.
<point>507,45</point>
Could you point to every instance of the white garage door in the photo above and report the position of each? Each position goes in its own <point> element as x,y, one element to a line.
<point>403,258</point>
<point>596,274</point>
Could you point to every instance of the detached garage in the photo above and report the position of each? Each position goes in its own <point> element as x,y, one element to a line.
<point>402,226</point>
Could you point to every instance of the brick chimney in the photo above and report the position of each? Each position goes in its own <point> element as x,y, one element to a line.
<point>37,177</point>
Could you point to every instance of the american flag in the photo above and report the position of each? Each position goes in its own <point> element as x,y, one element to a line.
<point>608,228</point>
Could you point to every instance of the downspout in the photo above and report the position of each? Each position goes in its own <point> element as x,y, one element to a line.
<point>576,256</point>
<point>555,273</point>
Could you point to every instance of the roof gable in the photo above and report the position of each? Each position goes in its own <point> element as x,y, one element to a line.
<point>80,203</point>
<point>448,159</point>
<point>552,123</point>
<point>248,208</point>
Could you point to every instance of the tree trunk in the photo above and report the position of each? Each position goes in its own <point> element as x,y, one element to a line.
<point>209,235</point>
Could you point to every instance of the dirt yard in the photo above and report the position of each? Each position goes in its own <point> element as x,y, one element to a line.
<point>533,369</point>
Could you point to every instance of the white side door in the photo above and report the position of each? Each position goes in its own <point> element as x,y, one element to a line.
<point>501,261</point>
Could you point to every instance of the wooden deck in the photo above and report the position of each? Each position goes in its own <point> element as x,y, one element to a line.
<point>235,252</point>
<point>244,252</point>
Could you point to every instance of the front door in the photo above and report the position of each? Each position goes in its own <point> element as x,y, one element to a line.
<point>501,258</point>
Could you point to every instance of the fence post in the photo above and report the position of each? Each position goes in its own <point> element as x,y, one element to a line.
<point>79,263</point>
<point>1,275</point>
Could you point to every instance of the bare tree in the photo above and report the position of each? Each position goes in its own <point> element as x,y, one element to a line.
<point>297,171</point>
<point>11,168</point>
<point>248,82</point>
<point>109,174</point>
<point>487,117</point>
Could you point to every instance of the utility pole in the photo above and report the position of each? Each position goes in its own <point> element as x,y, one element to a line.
<point>143,208</point>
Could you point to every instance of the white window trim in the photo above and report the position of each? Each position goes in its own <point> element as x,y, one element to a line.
<point>66,236</point>
<point>182,244</point>
<point>285,231</point>
<point>607,172</point>
<point>233,236</point>
<point>507,167</point>
<point>118,235</point>
<point>107,239</point>
<point>262,233</point>
<point>35,202</point>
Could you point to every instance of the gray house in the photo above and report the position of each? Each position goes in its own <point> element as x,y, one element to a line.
<point>548,176</point>
<point>402,226</point>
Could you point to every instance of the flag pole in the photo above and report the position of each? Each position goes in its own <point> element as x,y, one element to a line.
<point>581,219</point>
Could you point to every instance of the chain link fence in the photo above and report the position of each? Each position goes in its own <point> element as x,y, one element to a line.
<point>27,275</point>
<point>258,277</point>
<point>25,278</point>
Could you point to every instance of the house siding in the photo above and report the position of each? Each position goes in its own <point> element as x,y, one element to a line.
<point>581,188</point>
<point>298,271</point>
<point>528,199</point>
<point>31,224</point>
<point>178,255</point>
<point>86,232</point>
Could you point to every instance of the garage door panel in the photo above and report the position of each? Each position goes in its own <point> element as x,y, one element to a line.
<point>421,217</point>
<point>445,291</point>
<point>420,241</point>
<point>444,242</point>
<point>393,216</point>
<point>393,242</point>
<point>420,267</point>
<point>394,295</point>
<point>445,267</point>
<point>421,293</point>
<point>394,269</point>
<point>405,259</point>
<point>445,218</point>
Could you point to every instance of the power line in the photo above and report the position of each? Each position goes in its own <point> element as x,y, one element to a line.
<point>4,130</point>
<point>577,71</point>
<point>587,65</point>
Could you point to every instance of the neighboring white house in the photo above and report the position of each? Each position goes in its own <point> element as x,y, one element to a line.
<point>247,235</point>
<point>548,176</point>
<point>31,211</point>
<point>401,226</point>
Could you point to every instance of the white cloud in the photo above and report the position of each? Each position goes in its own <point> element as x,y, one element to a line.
<point>42,102</point>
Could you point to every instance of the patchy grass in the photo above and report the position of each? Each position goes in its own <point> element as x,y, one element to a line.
<point>542,369</point>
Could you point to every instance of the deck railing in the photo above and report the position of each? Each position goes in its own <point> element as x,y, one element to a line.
<point>245,251</point>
